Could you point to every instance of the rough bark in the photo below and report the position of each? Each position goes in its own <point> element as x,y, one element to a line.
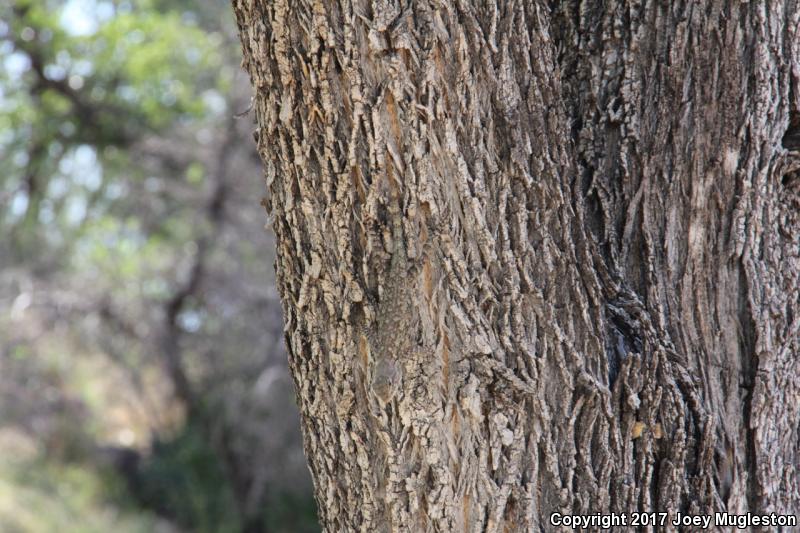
<point>535,257</point>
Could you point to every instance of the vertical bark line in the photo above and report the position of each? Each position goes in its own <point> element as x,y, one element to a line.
<point>533,258</point>
<point>772,266</point>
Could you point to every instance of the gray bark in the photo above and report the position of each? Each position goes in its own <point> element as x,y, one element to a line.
<point>535,257</point>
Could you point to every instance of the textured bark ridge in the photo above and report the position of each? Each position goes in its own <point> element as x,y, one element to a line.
<point>535,257</point>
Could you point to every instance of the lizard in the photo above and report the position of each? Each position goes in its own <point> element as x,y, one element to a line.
<point>392,336</point>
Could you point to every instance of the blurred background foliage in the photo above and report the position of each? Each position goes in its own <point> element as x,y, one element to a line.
<point>143,384</point>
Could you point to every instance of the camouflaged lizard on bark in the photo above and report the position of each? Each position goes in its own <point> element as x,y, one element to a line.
<point>393,335</point>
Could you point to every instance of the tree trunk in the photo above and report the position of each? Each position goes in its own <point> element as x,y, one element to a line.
<point>536,257</point>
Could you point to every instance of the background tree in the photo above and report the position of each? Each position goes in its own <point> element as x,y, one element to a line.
<point>139,325</point>
<point>535,257</point>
